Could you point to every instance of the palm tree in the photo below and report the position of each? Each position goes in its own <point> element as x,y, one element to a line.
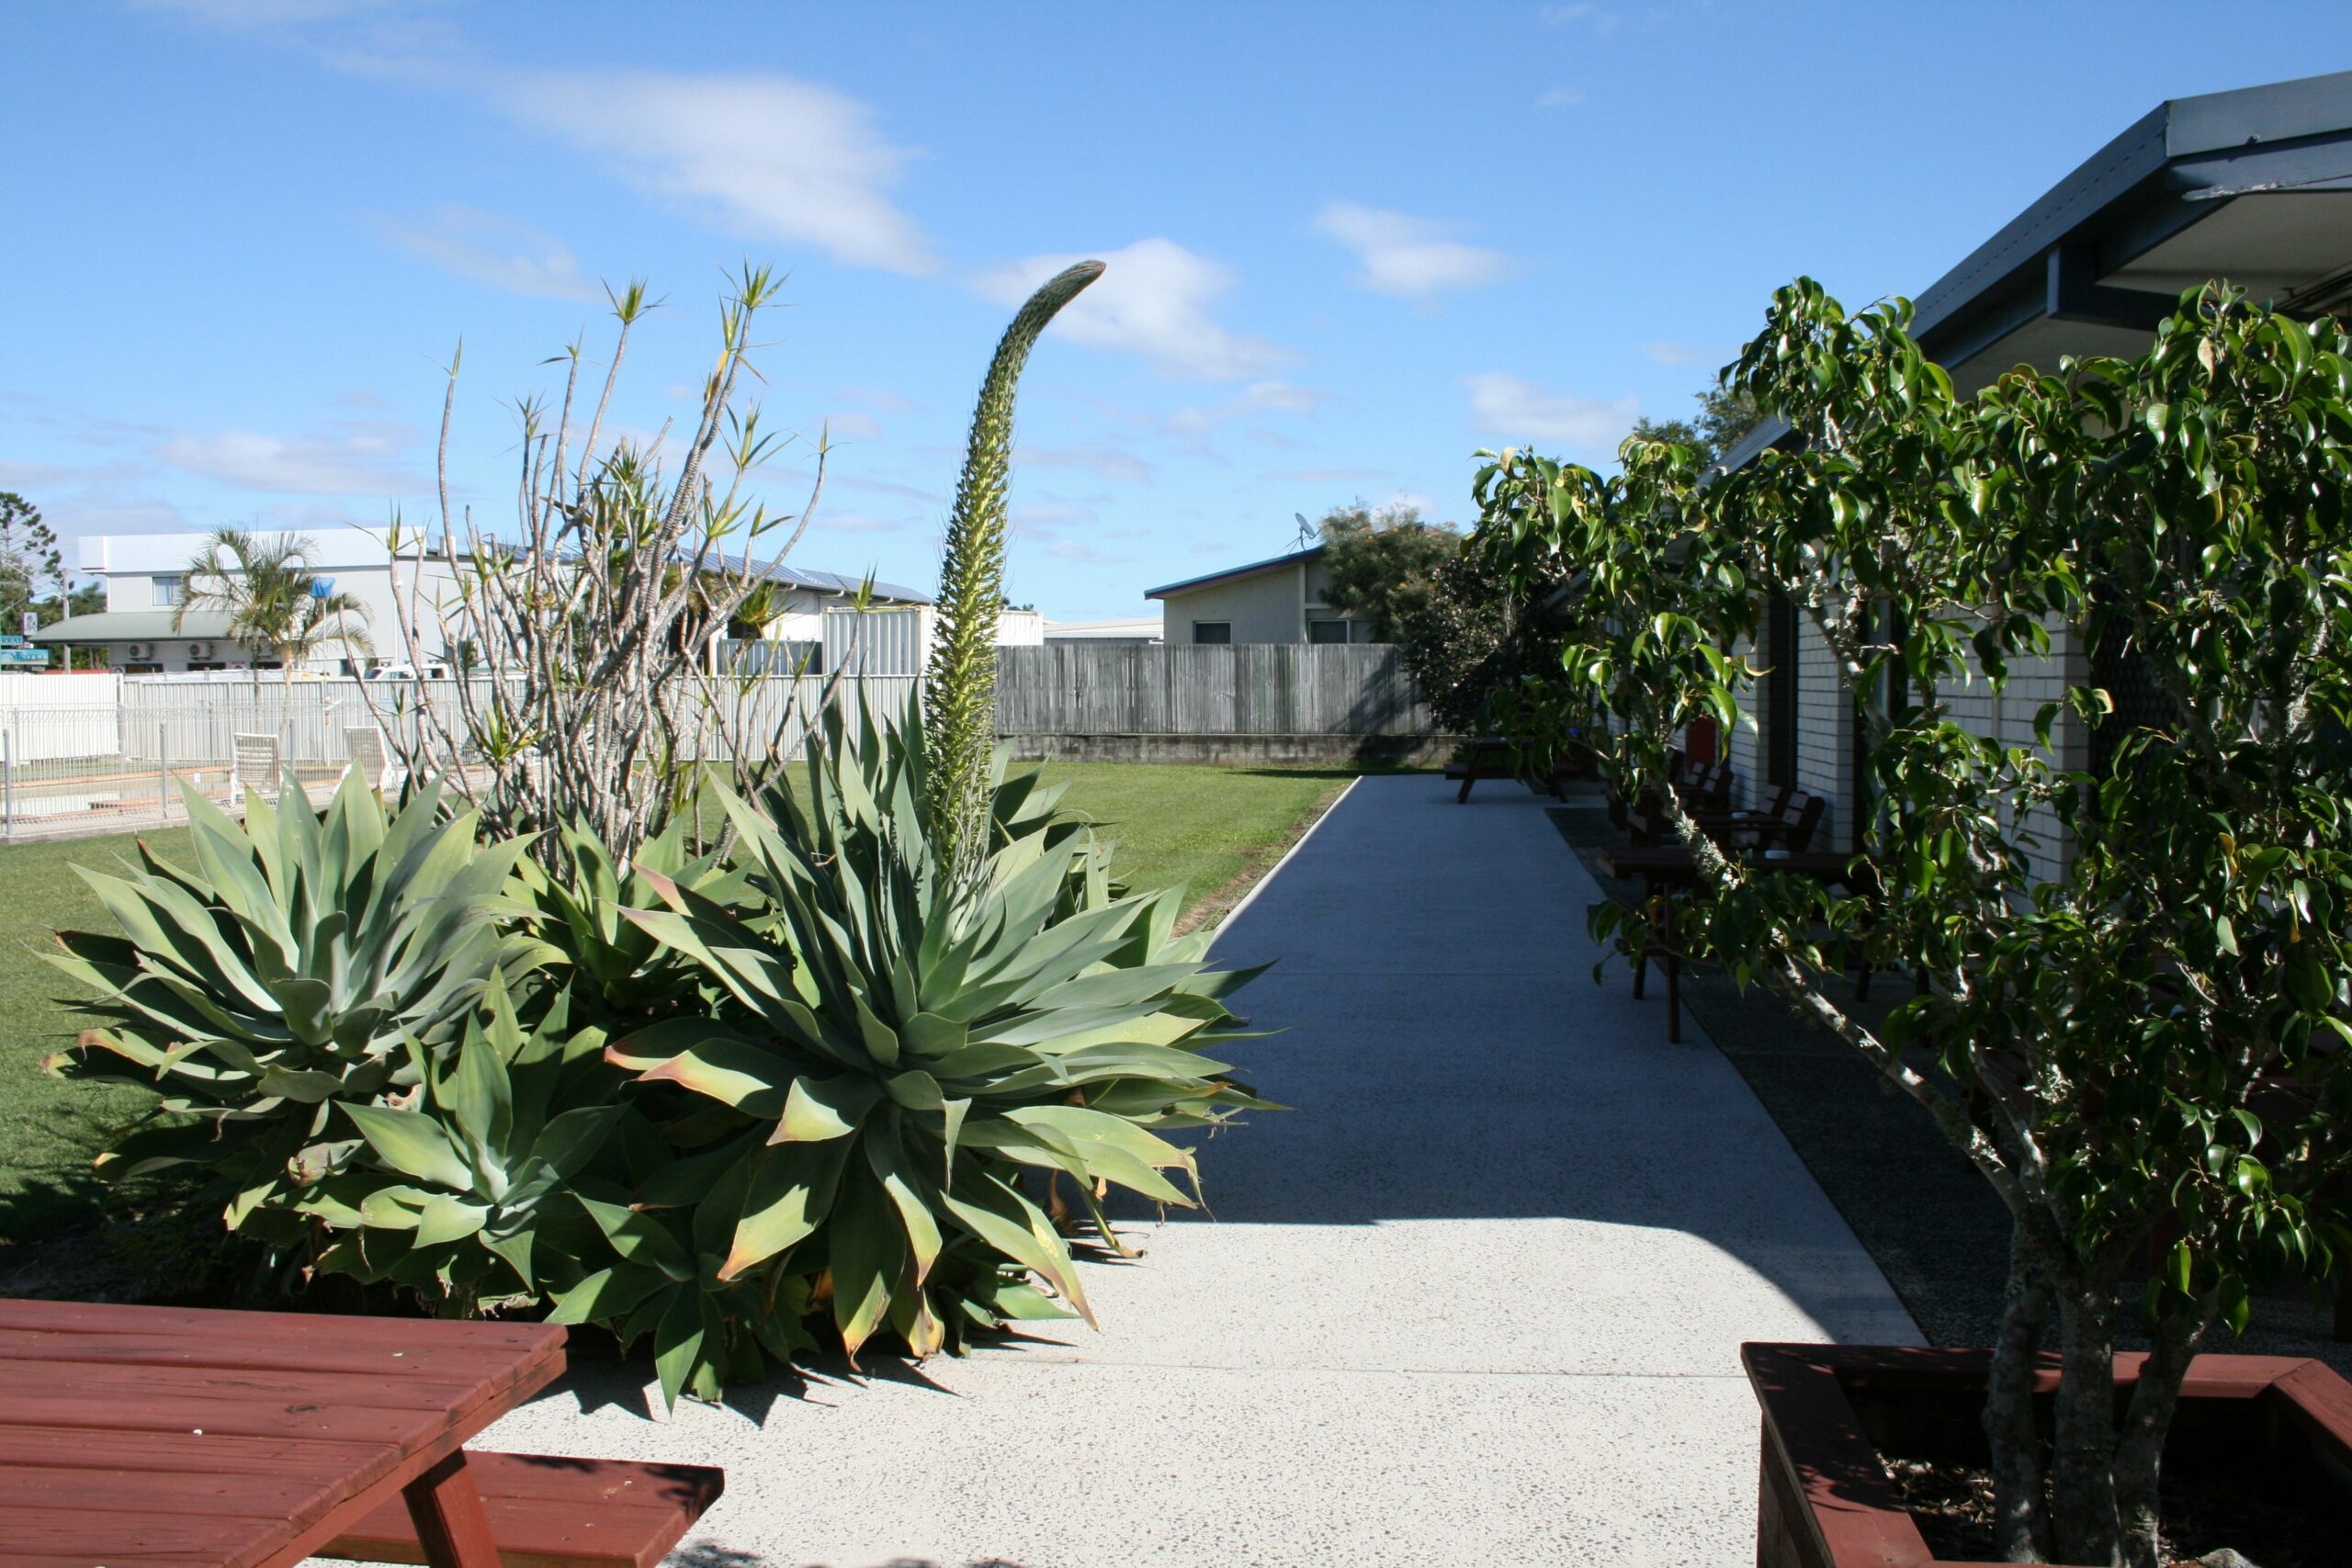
<point>275,603</point>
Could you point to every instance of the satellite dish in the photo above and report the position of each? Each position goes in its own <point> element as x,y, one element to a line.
<point>1306,534</point>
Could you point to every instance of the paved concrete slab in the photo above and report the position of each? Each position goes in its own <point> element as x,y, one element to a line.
<point>1476,1298</point>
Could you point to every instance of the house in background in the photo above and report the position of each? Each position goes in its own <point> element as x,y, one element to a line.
<point>2253,186</point>
<point>1269,601</point>
<point>145,578</point>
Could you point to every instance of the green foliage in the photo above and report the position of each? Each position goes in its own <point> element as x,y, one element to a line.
<point>703,1098</point>
<point>273,599</point>
<point>29,558</point>
<point>960,712</point>
<point>888,1050</point>
<point>1379,566</point>
<point>2151,1033</point>
<point>304,963</point>
<point>464,1190</point>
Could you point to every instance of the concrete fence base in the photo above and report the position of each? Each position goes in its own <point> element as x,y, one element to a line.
<point>1238,750</point>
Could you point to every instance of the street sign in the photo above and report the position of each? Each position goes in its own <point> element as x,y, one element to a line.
<point>10,640</point>
<point>23,656</point>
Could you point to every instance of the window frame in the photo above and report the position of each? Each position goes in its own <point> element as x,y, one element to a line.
<point>1225,642</point>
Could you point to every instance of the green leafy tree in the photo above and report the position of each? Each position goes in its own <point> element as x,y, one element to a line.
<point>1377,565</point>
<point>277,606</point>
<point>959,712</point>
<point>28,561</point>
<point>2149,1042</point>
<point>1726,413</point>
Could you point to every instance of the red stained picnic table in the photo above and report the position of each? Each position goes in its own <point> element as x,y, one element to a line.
<point>158,1436</point>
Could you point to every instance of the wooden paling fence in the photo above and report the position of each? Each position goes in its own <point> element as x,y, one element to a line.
<point>1241,689</point>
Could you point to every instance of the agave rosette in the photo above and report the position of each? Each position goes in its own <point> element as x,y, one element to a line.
<point>283,973</point>
<point>892,1052</point>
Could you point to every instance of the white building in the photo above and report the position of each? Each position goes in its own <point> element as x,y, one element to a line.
<point>897,641</point>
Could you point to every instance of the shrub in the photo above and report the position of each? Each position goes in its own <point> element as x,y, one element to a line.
<point>308,961</point>
<point>2152,1040</point>
<point>890,1050</point>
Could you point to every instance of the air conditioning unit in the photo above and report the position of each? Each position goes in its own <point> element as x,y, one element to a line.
<point>199,650</point>
<point>137,650</point>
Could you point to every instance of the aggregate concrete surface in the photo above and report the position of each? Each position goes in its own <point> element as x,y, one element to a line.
<point>1476,1297</point>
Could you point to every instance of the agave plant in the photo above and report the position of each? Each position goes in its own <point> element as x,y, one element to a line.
<point>462,1190</point>
<point>614,969</point>
<point>890,1051</point>
<point>304,961</point>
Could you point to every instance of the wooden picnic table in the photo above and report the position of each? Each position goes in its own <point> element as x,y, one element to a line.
<point>160,1436</point>
<point>1667,870</point>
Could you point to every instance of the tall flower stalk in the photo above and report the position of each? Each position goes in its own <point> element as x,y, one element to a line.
<point>959,717</point>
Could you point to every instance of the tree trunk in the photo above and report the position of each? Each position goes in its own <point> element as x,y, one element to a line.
<point>2082,1467</point>
<point>2139,1457</point>
<point>2020,1514</point>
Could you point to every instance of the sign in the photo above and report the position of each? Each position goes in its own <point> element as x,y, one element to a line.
<point>15,657</point>
<point>32,623</point>
<point>10,640</point>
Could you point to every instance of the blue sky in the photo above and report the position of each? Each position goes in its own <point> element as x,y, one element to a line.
<point>1349,244</point>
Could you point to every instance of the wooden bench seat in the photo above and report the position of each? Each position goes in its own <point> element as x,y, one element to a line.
<point>546,1512</point>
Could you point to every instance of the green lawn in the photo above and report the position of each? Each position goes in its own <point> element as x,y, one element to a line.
<point>1208,829</point>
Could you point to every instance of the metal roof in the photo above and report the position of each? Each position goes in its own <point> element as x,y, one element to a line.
<point>1297,558</point>
<point>824,582</point>
<point>2254,185</point>
<point>137,626</point>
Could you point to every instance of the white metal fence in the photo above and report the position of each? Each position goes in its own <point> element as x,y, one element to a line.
<point>80,768</point>
<point>66,769</point>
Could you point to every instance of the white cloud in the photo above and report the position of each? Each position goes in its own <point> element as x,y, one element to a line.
<point>1508,409</point>
<point>1600,18</point>
<point>1153,300</point>
<point>1560,98</point>
<point>1409,256</point>
<point>775,157</point>
<point>1328,476</point>
<point>1668,352</point>
<point>504,253</point>
<point>247,16</point>
<point>878,399</point>
<point>352,459</point>
<point>1094,456</point>
<point>1259,397</point>
<point>852,426</point>
<point>828,521</point>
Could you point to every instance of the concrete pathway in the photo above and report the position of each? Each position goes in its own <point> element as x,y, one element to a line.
<point>1477,1298</point>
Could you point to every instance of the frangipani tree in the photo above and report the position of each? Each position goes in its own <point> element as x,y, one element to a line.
<point>2150,1046</point>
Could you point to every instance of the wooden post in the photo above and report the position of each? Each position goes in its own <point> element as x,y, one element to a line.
<point>450,1523</point>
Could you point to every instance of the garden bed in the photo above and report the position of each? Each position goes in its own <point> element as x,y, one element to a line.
<point>1874,1455</point>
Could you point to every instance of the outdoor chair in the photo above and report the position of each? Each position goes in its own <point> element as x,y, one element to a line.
<point>373,758</point>
<point>257,769</point>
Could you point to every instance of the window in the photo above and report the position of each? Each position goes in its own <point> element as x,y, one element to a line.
<point>1327,631</point>
<point>1780,691</point>
<point>1218,632</point>
<point>168,590</point>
